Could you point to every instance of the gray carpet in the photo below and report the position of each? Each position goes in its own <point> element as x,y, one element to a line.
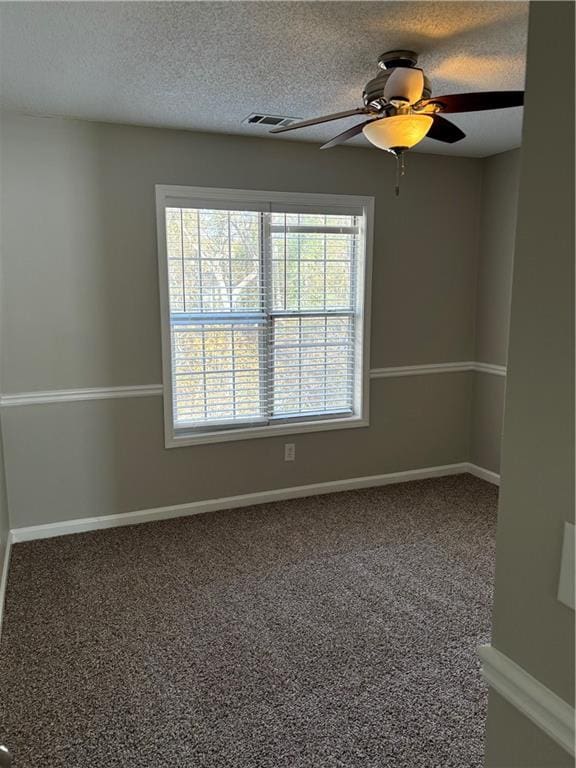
<point>336,631</point>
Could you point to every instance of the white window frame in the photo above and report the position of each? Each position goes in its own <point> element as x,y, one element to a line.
<point>181,196</point>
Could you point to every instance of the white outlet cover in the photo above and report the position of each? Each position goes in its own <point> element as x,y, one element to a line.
<point>566,582</point>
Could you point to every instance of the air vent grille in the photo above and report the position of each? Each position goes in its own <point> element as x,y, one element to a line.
<point>257,118</point>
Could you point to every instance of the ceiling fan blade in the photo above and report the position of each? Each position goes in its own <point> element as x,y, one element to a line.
<point>404,84</point>
<point>345,135</point>
<point>475,102</point>
<point>323,119</point>
<point>444,130</point>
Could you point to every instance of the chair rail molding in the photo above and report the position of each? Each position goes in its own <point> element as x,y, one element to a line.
<point>45,397</point>
<point>419,370</point>
<point>75,395</point>
<point>497,370</point>
<point>539,704</point>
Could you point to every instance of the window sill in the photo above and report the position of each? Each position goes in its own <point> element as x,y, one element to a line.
<point>275,430</point>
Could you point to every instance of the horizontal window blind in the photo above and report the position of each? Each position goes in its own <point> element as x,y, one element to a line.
<point>264,315</point>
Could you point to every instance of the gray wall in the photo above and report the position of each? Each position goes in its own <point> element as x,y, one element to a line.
<point>500,176</point>
<point>515,742</point>
<point>537,495</point>
<point>4,520</point>
<point>81,310</point>
<point>487,411</point>
<point>500,179</point>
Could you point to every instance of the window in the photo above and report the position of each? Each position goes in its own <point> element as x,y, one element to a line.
<point>264,328</point>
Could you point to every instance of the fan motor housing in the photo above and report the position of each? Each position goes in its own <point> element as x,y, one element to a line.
<point>401,58</point>
<point>373,93</point>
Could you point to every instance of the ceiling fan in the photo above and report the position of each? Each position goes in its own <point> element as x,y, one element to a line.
<point>401,110</point>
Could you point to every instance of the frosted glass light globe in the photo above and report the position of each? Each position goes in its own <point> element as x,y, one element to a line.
<point>398,131</point>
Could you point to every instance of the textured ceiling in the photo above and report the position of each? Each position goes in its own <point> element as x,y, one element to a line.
<point>206,65</point>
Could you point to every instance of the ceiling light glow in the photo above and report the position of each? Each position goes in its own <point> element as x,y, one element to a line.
<point>398,132</point>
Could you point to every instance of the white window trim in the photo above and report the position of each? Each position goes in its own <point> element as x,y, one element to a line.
<point>179,196</point>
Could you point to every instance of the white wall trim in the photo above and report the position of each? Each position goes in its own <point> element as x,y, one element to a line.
<point>4,577</point>
<point>230,502</point>
<point>543,707</point>
<point>266,203</point>
<point>484,474</point>
<point>149,390</point>
<point>72,395</point>
<point>497,370</point>
<point>420,370</point>
<point>65,527</point>
<point>566,578</point>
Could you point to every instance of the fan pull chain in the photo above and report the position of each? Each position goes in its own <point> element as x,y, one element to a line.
<point>399,170</point>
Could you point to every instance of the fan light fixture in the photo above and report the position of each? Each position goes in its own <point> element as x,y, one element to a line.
<point>398,132</point>
<point>399,109</point>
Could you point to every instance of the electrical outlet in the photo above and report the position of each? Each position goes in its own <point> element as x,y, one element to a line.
<point>289,452</point>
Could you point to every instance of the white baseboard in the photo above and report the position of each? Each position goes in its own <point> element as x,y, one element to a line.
<point>4,577</point>
<point>81,525</point>
<point>484,474</point>
<point>539,704</point>
<point>231,502</point>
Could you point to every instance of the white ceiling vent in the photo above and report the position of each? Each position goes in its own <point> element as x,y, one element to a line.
<point>257,118</point>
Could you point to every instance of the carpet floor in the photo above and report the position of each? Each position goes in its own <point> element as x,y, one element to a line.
<point>337,631</point>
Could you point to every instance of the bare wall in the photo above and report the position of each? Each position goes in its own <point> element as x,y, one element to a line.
<point>531,626</point>
<point>500,177</point>
<point>81,310</point>
<point>4,516</point>
<point>515,742</point>
<point>4,519</point>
